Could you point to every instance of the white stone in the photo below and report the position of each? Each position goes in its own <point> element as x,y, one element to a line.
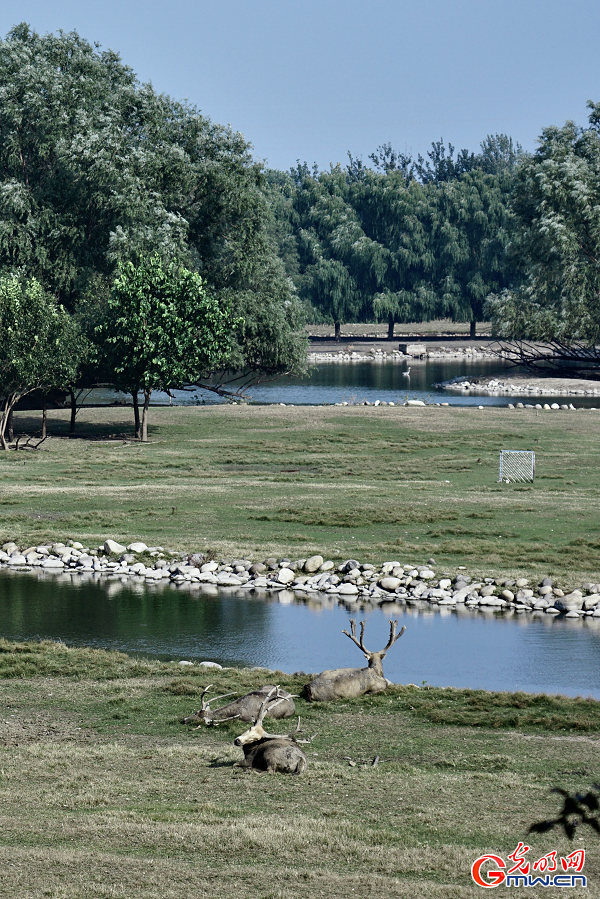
<point>111,546</point>
<point>427,574</point>
<point>186,663</point>
<point>17,559</point>
<point>136,548</point>
<point>285,576</point>
<point>53,563</point>
<point>208,566</point>
<point>313,564</point>
<point>389,583</point>
<point>210,665</point>
<point>347,589</point>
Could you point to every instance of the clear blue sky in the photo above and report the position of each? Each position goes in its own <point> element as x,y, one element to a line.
<point>312,79</point>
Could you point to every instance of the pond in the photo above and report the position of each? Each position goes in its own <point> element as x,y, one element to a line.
<point>441,647</point>
<point>337,382</point>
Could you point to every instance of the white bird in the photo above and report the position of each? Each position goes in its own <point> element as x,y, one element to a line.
<point>406,373</point>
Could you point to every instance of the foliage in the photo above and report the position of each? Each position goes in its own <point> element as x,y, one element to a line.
<point>557,241</point>
<point>161,330</point>
<point>41,346</point>
<point>410,241</point>
<point>98,169</point>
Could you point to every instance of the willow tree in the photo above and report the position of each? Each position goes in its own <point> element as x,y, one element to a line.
<point>97,169</point>
<point>556,240</point>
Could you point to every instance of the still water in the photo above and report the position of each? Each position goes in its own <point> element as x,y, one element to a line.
<point>353,382</point>
<point>443,648</point>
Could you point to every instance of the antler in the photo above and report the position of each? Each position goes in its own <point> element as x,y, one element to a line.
<point>393,635</point>
<point>268,703</point>
<point>289,736</point>
<point>360,643</point>
<point>352,636</point>
<point>206,705</point>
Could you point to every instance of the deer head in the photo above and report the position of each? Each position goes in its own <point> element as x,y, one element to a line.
<point>205,712</point>
<point>374,659</point>
<point>257,731</point>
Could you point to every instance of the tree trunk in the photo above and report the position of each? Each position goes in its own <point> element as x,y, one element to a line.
<point>147,393</point>
<point>136,413</point>
<point>6,421</point>
<point>391,327</point>
<point>473,327</point>
<point>73,411</point>
<point>338,330</point>
<point>9,427</point>
<point>44,418</point>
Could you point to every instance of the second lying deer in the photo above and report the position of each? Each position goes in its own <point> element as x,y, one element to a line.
<point>246,708</point>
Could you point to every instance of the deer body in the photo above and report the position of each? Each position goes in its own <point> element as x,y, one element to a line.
<point>246,708</point>
<point>273,755</point>
<point>344,683</point>
<point>348,683</point>
<point>271,752</point>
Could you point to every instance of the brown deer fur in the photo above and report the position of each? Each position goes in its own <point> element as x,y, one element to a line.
<point>347,683</point>
<point>271,752</point>
<point>246,708</point>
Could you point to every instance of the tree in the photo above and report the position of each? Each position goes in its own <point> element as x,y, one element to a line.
<point>469,238</point>
<point>41,346</point>
<point>97,169</point>
<point>162,330</point>
<point>556,241</point>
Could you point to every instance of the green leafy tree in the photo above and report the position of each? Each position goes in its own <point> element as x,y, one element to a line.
<point>98,169</point>
<point>556,241</point>
<point>41,346</point>
<point>470,233</point>
<point>162,330</point>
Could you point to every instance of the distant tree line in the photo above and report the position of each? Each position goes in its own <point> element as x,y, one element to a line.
<point>402,240</point>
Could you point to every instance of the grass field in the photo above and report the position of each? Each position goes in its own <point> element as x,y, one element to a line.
<point>372,483</point>
<point>103,793</point>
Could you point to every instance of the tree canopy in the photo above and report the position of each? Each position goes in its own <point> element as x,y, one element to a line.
<point>556,240</point>
<point>161,330</point>
<point>41,345</point>
<point>407,240</point>
<point>97,169</point>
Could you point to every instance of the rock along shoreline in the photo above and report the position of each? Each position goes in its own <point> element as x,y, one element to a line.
<point>393,586</point>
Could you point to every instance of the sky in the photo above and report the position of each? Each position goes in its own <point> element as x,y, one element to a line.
<point>310,80</point>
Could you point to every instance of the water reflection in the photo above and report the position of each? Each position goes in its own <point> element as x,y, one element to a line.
<point>482,649</point>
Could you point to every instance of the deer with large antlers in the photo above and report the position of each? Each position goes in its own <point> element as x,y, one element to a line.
<point>246,708</point>
<point>347,683</point>
<point>271,752</point>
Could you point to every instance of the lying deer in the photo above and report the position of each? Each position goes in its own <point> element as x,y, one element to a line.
<point>271,752</point>
<point>246,708</point>
<point>347,683</point>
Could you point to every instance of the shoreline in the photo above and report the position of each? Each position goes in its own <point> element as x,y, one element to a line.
<point>392,585</point>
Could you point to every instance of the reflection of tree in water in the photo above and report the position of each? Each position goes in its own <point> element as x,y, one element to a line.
<point>157,620</point>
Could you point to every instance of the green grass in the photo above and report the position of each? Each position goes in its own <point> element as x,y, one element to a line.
<point>104,793</point>
<point>371,483</point>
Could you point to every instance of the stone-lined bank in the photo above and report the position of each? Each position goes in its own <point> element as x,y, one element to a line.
<point>414,351</point>
<point>353,583</point>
